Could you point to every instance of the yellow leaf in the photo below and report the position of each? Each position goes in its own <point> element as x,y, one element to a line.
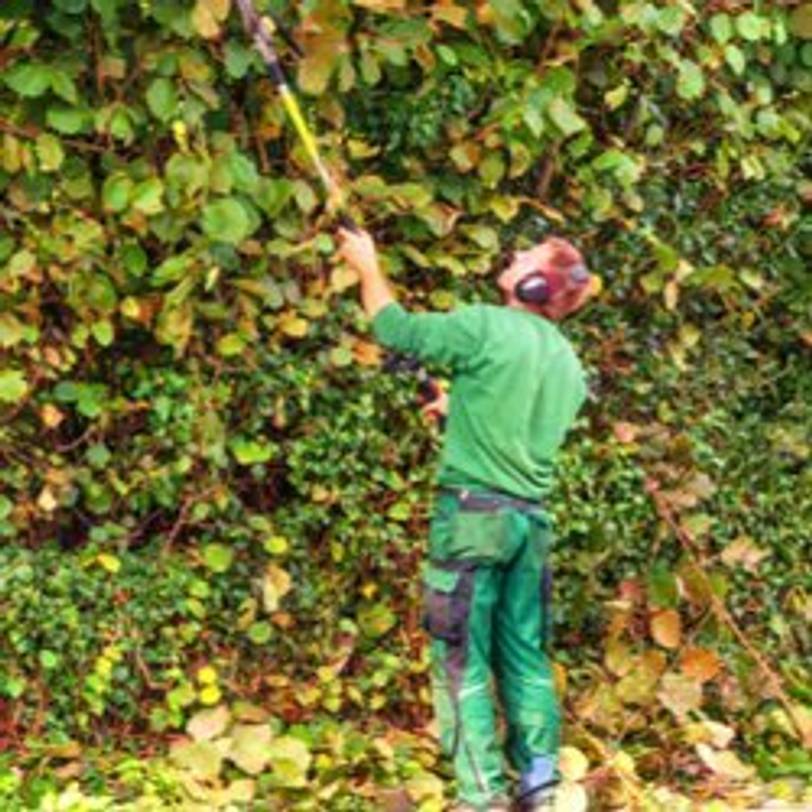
<point>666,628</point>
<point>207,675</point>
<point>342,278</point>
<point>294,326</point>
<point>276,584</point>
<point>671,294</point>
<point>109,562</point>
<point>572,763</point>
<point>47,501</point>
<point>210,695</point>
<point>207,16</point>
<point>571,798</point>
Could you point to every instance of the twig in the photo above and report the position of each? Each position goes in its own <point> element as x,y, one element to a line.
<point>773,679</point>
<point>30,131</point>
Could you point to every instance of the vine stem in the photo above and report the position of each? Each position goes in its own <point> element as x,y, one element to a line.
<point>687,540</point>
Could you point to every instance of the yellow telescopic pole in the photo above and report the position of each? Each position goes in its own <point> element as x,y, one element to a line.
<point>260,34</point>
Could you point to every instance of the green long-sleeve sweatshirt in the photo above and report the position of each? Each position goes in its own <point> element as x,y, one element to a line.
<point>516,389</point>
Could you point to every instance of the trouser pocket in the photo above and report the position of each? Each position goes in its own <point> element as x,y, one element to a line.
<point>448,589</point>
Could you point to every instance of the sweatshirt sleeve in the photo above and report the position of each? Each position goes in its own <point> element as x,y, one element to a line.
<point>453,338</point>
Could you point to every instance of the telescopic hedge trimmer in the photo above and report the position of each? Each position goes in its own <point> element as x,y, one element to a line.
<point>260,30</point>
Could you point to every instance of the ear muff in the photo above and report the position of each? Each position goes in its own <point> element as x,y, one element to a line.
<point>538,288</point>
<point>533,289</point>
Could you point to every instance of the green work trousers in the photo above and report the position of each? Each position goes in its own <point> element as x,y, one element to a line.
<point>486,593</point>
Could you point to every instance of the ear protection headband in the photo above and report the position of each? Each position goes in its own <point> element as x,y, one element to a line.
<point>539,287</point>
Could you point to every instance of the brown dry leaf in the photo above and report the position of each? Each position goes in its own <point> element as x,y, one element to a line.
<point>618,658</point>
<point>51,416</point>
<point>700,664</point>
<point>744,551</point>
<point>449,12</point>
<point>381,5</point>
<point>638,686</point>
<point>725,763</point>
<point>322,53</point>
<point>625,432</point>
<point>701,485</point>
<point>680,694</point>
<point>209,723</point>
<point>666,628</point>
<point>367,353</point>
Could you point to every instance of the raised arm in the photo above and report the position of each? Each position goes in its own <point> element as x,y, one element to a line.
<point>358,250</point>
<point>443,338</point>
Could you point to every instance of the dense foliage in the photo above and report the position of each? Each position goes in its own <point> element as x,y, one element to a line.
<point>213,500</point>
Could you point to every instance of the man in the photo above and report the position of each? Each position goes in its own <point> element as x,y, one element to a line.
<point>516,388</point>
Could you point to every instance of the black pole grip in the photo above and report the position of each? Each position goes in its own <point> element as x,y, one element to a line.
<point>345,221</point>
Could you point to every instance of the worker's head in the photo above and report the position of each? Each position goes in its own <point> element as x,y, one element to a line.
<point>550,278</point>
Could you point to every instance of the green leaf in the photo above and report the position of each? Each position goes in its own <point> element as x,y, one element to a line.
<point>690,81</point>
<point>171,270</point>
<point>49,660</point>
<point>6,506</point>
<point>162,99</point>
<point>376,620</point>
<point>230,344</point>
<point>721,28</point>
<point>734,56</point>
<point>238,59</point>
<point>250,452</point>
<point>28,79</point>
<point>671,20</point>
<point>751,27</point>
<point>492,170</point>
<point>13,385</point>
<point>290,760</point>
<point>64,87</point>
<point>103,332</point>
<point>565,117</point>
<point>226,221</point>
<point>217,557</point>
<point>116,192</point>
<point>260,632</point>
<point>67,120</point>
<point>147,197</point>
<point>49,152</point>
